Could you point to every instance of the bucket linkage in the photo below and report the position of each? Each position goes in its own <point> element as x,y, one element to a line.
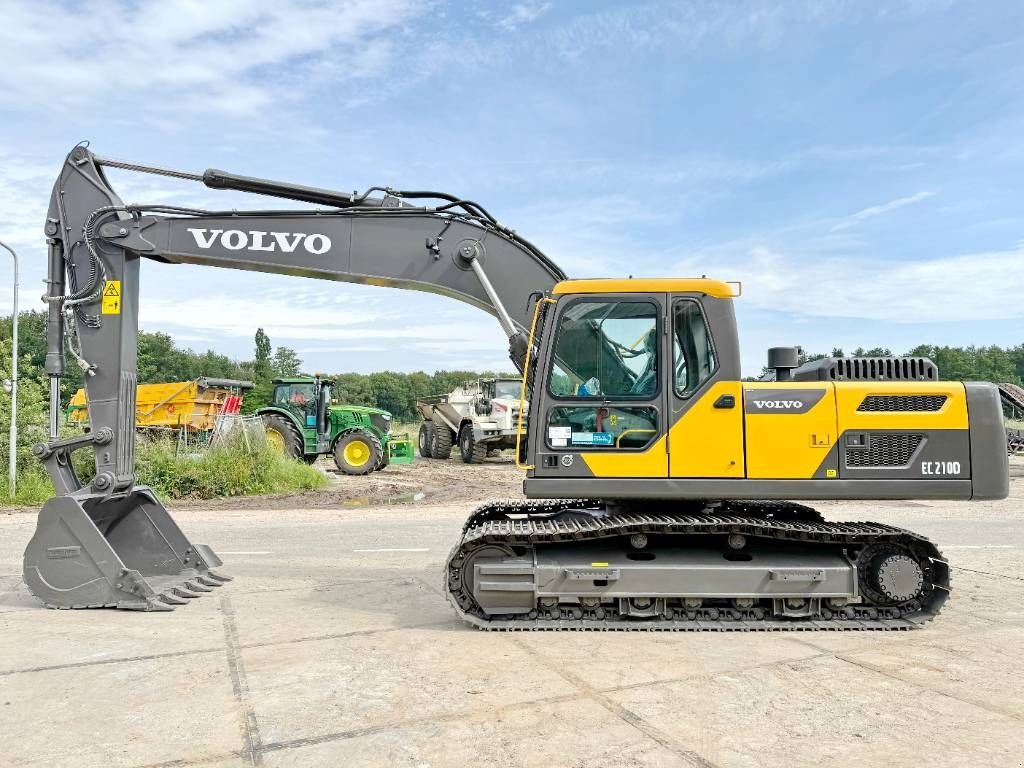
<point>118,549</point>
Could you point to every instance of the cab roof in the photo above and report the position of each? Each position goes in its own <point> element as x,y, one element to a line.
<point>717,288</point>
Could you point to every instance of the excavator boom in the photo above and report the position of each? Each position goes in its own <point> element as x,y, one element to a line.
<point>108,541</point>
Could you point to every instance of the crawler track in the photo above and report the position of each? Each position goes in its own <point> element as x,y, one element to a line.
<point>528,524</point>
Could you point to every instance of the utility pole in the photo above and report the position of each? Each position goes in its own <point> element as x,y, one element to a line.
<point>12,461</point>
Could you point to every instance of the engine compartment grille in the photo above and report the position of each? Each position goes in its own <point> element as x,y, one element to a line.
<point>902,403</point>
<point>884,450</point>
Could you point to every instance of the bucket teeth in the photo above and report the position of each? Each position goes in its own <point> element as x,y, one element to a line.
<point>218,577</point>
<point>155,604</point>
<point>183,591</point>
<point>171,599</point>
<point>208,582</point>
<point>196,586</point>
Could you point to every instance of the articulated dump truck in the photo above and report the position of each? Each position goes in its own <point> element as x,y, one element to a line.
<point>662,490</point>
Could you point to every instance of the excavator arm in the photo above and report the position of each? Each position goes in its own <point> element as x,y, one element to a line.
<point>452,247</point>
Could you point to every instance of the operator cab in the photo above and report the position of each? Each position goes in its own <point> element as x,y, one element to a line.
<point>620,360</point>
<point>307,398</point>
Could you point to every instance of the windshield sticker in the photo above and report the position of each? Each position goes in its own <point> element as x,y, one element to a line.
<point>592,438</point>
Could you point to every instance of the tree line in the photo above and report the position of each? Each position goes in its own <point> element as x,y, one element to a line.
<point>161,360</point>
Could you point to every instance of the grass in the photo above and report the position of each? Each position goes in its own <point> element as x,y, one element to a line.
<point>235,467</point>
<point>33,488</point>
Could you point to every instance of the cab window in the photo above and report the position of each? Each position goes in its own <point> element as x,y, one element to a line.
<point>606,350</point>
<point>694,354</point>
<point>594,427</point>
<point>507,390</point>
<point>298,396</point>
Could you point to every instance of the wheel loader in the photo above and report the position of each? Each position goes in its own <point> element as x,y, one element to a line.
<point>662,490</point>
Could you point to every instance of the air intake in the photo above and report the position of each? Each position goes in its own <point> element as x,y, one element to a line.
<point>868,369</point>
<point>884,451</point>
<point>902,403</point>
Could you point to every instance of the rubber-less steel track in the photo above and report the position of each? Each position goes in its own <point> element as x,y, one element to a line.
<point>527,524</point>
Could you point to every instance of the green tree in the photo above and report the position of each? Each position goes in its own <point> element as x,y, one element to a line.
<point>262,367</point>
<point>286,362</point>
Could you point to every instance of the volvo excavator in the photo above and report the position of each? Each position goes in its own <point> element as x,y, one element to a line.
<point>662,490</point>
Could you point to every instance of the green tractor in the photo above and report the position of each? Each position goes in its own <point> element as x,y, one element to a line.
<point>302,423</point>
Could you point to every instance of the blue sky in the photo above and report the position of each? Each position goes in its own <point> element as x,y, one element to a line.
<point>857,165</point>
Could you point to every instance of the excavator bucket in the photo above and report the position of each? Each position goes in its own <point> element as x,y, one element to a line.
<point>115,552</point>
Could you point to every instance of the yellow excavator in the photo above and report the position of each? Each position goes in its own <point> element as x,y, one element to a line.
<point>661,489</point>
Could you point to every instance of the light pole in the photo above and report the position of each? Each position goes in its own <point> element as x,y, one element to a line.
<point>12,461</point>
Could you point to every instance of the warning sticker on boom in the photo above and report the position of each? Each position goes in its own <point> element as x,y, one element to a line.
<point>112,298</point>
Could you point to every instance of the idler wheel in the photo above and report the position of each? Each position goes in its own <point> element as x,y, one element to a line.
<point>899,577</point>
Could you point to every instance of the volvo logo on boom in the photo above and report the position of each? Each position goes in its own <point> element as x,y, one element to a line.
<point>255,240</point>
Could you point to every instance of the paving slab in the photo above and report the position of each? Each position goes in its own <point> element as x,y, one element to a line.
<point>305,690</point>
<point>123,714</point>
<point>40,637</point>
<point>578,733</point>
<point>611,659</point>
<point>337,608</point>
<point>823,711</point>
<point>960,667</point>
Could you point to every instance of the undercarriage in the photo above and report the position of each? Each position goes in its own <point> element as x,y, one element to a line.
<point>591,565</point>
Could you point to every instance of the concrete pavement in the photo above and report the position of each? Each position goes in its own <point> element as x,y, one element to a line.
<point>334,646</point>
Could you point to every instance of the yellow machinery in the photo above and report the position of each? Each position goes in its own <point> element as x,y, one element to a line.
<point>192,405</point>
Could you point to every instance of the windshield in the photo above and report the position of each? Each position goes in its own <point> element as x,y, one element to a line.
<point>509,390</point>
<point>606,349</point>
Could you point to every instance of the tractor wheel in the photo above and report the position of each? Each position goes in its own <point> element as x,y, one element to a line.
<point>283,436</point>
<point>472,451</point>
<point>384,460</point>
<point>357,453</point>
<point>425,439</point>
<point>441,442</point>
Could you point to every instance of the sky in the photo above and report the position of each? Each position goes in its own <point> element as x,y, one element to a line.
<point>856,165</point>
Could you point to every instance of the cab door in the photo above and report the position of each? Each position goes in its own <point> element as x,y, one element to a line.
<point>705,437</point>
<point>602,400</point>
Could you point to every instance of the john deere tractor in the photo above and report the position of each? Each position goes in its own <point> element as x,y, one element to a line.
<point>302,423</point>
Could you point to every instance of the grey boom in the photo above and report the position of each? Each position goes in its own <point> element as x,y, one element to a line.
<point>110,542</point>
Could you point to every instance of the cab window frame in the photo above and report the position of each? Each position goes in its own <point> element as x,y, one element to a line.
<point>652,397</point>
<point>713,373</point>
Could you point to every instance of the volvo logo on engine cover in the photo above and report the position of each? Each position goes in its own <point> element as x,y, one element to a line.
<point>782,405</point>
<point>255,240</point>
<point>781,400</point>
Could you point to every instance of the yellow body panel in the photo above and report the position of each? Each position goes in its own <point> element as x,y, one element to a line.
<point>652,462</point>
<point>717,288</point>
<point>790,445</point>
<point>850,394</point>
<point>171,405</point>
<point>708,441</point>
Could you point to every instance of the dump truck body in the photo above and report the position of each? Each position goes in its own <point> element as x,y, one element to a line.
<point>478,417</point>
<point>194,405</point>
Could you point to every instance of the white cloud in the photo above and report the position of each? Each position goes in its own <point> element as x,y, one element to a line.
<point>186,55</point>
<point>523,13</point>
<point>880,210</point>
<point>962,288</point>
